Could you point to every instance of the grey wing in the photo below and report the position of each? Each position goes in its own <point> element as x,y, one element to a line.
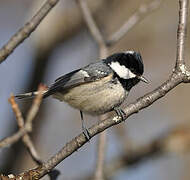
<point>90,73</point>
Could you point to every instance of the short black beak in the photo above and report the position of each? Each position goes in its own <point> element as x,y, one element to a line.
<point>142,78</point>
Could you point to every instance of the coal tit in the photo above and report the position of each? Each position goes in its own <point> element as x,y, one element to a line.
<point>99,87</point>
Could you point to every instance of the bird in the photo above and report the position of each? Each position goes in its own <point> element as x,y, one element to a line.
<point>99,87</point>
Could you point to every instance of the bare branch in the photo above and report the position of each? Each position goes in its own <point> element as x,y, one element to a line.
<point>18,114</point>
<point>35,105</point>
<point>90,22</point>
<point>99,175</point>
<point>26,138</point>
<point>181,32</point>
<point>101,150</point>
<point>103,51</point>
<point>14,138</point>
<point>139,15</point>
<point>28,125</point>
<point>25,32</point>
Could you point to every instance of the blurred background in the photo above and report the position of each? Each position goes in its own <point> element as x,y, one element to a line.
<point>63,43</point>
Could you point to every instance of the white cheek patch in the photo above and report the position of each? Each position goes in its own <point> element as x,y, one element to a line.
<point>122,71</point>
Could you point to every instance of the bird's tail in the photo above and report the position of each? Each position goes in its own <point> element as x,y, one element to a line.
<point>29,95</point>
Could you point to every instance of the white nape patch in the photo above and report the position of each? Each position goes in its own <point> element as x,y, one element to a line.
<point>84,73</point>
<point>129,52</point>
<point>122,71</point>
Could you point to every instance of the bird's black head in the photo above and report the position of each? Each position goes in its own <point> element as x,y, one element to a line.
<point>128,66</point>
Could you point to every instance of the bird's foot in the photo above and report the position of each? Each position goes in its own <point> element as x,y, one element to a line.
<point>86,133</point>
<point>84,129</point>
<point>120,113</point>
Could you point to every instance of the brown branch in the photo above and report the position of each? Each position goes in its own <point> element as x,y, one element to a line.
<point>92,26</point>
<point>99,172</point>
<point>28,28</point>
<point>28,125</point>
<point>35,105</point>
<point>26,138</point>
<point>14,138</point>
<point>181,33</point>
<point>101,150</point>
<point>99,175</point>
<point>103,53</point>
<point>139,15</point>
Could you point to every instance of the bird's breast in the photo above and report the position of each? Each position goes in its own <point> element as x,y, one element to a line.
<point>96,97</point>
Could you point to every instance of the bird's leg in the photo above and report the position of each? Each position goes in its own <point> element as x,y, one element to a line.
<point>120,113</point>
<point>84,129</point>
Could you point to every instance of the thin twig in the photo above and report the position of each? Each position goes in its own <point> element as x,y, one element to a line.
<point>99,172</point>
<point>99,175</point>
<point>28,28</point>
<point>26,138</point>
<point>28,125</point>
<point>16,110</point>
<point>139,15</point>
<point>181,32</point>
<point>103,51</point>
<point>14,138</point>
<point>90,22</point>
<point>31,149</point>
<point>35,105</point>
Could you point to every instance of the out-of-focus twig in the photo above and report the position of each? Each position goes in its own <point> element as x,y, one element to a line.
<point>92,26</point>
<point>14,138</point>
<point>35,105</point>
<point>101,151</point>
<point>139,15</point>
<point>28,28</point>
<point>26,138</point>
<point>103,53</point>
<point>27,127</point>
<point>99,172</point>
<point>22,125</point>
<point>181,34</point>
